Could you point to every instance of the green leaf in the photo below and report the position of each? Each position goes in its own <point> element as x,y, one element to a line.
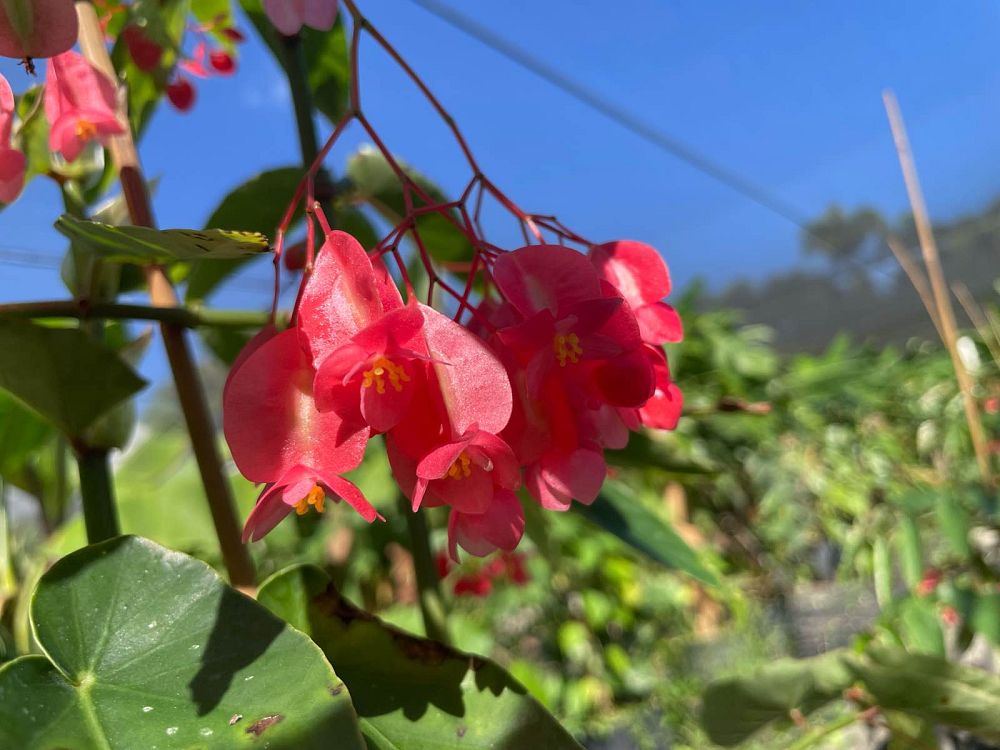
<point>257,205</point>
<point>619,511</point>
<point>149,648</point>
<point>954,522</point>
<point>411,692</point>
<point>733,709</point>
<point>910,550</point>
<point>986,616</point>
<point>63,374</point>
<point>932,688</point>
<point>882,572</point>
<point>920,626</point>
<point>325,54</point>
<point>373,181</point>
<point>143,245</point>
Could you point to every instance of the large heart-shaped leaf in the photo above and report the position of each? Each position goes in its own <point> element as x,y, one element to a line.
<point>62,373</point>
<point>143,245</point>
<point>619,511</point>
<point>411,692</point>
<point>733,709</point>
<point>148,648</point>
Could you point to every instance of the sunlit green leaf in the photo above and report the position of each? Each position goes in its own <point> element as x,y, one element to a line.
<point>411,693</point>
<point>149,648</point>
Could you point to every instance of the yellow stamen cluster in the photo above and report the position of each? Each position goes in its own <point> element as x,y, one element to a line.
<point>85,130</point>
<point>315,498</point>
<point>384,369</point>
<point>567,349</point>
<point>462,467</point>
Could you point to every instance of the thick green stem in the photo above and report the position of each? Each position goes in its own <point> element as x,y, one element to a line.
<point>98,494</point>
<point>432,606</point>
<point>186,317</point>
<point>298,81</point>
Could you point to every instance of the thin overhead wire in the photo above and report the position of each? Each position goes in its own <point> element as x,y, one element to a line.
<point>592,99</point>
<point>631,122</point>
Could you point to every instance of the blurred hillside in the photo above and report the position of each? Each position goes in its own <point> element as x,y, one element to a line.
<point>853,284</point>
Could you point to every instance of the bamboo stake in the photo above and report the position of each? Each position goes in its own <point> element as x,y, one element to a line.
<point>942,301</point>
<point>978,319</point>
<point>917,278</point>
<point>190,392</point>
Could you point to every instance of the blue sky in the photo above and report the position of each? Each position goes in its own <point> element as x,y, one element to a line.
<point>785,93</point>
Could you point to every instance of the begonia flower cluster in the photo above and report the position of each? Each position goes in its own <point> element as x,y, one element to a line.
<point>562,358</point>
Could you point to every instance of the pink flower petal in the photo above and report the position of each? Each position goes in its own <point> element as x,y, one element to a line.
<point>51,29</point>
<point>500,527</point>
<point>545,277</point>
<point>473,382</point>
<point>286,15</point>
<point>320,14</point>
<point>659,323</point>
<point>635,268</point>
<point>341,295</point>
<point>271,422</point>
<point>12,166</point>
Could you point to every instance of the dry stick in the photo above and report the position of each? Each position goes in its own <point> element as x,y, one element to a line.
<point>975,313</point>
<point>193,403</point>
<point>946,314</point>
<point>917,278</point>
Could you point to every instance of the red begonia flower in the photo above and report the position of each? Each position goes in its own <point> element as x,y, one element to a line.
<point>12,161</point>
<point>302,488</point>
<point>466,473</point>
<point>373,370</point>
<point>37,28</point>
<point>277,436</point>
<point>574,324</point>
<point>79,105</point>
<point>639,273</point>
<point>500,527</point>
<point>289,16</point>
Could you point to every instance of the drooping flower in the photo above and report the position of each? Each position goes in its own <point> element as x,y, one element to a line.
<point>79,105</point>
<point>446,451</point>
<point>12,161</point>
<point>277,436</point>
<point>572,326</point>
<point>289,16</point>
<point>638,272</point>
<point>363,338</point>
<point>36,28</point>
